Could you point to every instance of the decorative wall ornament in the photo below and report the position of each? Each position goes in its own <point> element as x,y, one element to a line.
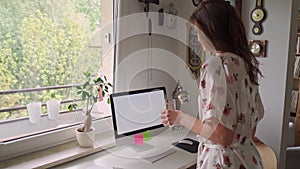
<point>146,6</point>
<point>171,16</point>
<point>196,2</point>
<point>194,52</point>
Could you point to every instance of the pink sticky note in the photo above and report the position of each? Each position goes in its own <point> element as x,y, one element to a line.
<point>139,139</point>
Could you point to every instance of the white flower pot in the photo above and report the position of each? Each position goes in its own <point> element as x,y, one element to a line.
<point>85,139</point>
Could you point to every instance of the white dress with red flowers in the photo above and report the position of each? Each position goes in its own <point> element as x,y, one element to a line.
<point>226,95</point>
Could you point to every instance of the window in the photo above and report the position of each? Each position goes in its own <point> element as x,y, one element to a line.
<point>45,46</point>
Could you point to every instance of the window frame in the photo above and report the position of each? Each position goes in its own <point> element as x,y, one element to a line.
<point>45,140</point>
<point>42,140</point>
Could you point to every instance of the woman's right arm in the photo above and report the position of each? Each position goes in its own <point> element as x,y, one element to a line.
<point>210,129</point>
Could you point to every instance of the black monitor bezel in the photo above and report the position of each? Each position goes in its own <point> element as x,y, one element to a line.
<point>132,92</point>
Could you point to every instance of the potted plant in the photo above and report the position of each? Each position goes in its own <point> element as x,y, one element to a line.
<point>93,90</point>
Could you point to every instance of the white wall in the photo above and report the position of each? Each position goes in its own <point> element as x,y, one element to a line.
<point>277,68</point>
<point>166,58</point>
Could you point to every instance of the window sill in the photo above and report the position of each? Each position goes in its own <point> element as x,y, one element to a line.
<point>60,154</point>
<point>22,128</point>
<point>37,141</point>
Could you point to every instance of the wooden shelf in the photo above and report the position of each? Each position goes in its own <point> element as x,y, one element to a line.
<point>296,86</point>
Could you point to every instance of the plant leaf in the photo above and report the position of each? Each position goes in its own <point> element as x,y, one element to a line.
<point>72,107</point>
<point>110,84</point>
<point>108,100</point>
<point>87,74</point>
<point>105,78</point>
<point>79,92</point>
<point>103,93</point>
<point>85,85</point>
<point>85,94</point>
<point>79,88</point>
<point>97,80</point>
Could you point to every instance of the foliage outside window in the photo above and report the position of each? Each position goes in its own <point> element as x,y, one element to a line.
<point>46,43</point>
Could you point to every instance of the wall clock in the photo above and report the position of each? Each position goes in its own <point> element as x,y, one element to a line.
<point>258,14</point>
<point>197,2</point>
<point>258,47</point>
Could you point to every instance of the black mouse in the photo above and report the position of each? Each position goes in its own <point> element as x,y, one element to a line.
<point>187,144</point>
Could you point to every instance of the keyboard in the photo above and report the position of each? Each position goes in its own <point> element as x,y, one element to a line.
<point>156,156</point>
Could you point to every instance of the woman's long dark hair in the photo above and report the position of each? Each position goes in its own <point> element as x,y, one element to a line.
<point>218,20</point>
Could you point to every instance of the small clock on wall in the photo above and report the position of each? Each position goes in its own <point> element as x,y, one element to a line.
<point>196,2</point>
<point>258,48</point>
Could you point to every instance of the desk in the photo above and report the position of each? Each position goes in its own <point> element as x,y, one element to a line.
<point>115,158</point>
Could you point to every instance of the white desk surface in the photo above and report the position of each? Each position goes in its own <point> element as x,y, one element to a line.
<point>122,157</point>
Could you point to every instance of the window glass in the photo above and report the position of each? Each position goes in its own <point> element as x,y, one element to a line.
<point>45,47</point>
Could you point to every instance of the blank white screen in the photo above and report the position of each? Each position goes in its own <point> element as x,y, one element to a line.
<point>138,111</point>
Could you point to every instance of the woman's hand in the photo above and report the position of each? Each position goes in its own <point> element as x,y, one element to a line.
<point>170,117</point>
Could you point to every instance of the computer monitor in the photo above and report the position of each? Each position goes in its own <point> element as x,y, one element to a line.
<point>137,111</point>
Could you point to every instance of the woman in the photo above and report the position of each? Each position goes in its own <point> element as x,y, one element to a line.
<point>229,102</point>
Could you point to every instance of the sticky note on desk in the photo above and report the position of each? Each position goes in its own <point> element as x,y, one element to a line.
<point>147,135</point>
<point>139,139</point>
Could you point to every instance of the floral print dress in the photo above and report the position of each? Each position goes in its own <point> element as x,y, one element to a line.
<point>227,95</point>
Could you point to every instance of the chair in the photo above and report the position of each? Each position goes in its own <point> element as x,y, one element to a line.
<point>268,156</point>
